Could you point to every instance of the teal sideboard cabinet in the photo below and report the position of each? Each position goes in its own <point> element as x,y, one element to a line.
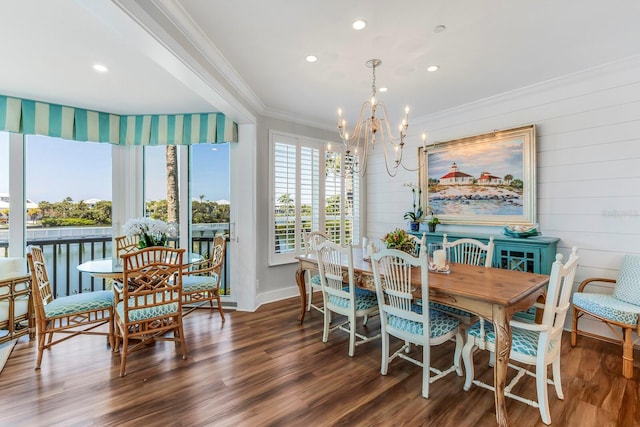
<point>532,254</point>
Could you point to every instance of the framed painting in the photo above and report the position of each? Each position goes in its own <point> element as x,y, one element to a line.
<point>486,179</point>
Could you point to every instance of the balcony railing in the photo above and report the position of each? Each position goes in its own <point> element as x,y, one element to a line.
<point>62,256</point>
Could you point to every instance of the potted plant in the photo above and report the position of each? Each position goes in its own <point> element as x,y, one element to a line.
<point>433,221</point>
<point>415,215</point>
<point>414,219</point>
<point>399,239</point>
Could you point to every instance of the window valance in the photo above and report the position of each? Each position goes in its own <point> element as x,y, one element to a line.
<point>41,118</point>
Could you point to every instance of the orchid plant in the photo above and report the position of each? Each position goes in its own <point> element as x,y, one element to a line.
<point>152,232</point>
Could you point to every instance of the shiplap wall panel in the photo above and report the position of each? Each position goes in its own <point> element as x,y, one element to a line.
<point>588,162</point>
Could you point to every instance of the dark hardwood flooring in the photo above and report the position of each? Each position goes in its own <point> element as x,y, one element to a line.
<point>263,369</point>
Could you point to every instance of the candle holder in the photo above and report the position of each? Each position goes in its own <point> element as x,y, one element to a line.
<point>438,258</point>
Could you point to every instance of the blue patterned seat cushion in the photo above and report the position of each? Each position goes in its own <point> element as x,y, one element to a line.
<point>439,323</point>
<point>199,283</point>
<point>146,313</point>
<point>522,340</point>
<point>628,282</point>
<point>608,307</point>
<point>364,299</point>
<point>315,280</point>
<point>452,310</point>
<point>79,303</point>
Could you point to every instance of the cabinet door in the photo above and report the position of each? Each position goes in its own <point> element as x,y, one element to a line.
<point>517,258</point>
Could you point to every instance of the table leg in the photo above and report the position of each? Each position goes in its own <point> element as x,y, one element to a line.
<point>302,287</point>
<point>503,350</point>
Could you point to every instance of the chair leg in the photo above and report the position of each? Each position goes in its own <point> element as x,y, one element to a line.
<point>541,387</point>
<point>219,305</point>
<point>327,321</point>
<point>574,328</point>
<point>627,353</point>
<point>457,353</point>
<point>41,339</point>
<point>426,368</point>
<point>123,354</point>
<point>183,341</point>
<point>352,335</point>
<point>557,381</point>
<point>384,365</point>
<point>467,358</point>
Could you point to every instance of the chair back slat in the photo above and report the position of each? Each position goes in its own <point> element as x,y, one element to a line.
<point>470,251</point>
<point>127,244</point>
<point>311,240</point>
<point>41,286</point>
<point>559,292</point>
<point>330,256</point>
<point>152,277</point>
<point>392,272</point>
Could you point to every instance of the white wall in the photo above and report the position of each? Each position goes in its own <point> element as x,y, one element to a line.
<point>588,162</point>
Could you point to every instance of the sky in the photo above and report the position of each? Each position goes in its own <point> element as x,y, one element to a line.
<point>498,158</point>
<point>57,169</point>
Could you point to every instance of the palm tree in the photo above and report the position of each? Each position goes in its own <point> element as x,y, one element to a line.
<point>173,203</point>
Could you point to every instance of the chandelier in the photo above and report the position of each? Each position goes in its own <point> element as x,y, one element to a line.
<point>373,126</point>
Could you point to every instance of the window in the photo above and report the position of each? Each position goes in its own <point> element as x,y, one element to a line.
<point>310,190</point>
<point>161,167</point>
<point>68,206</point>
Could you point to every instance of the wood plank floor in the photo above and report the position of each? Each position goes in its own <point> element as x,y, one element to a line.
<point>263,369</point>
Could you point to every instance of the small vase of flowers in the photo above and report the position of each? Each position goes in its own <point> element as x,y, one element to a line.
<point>399,239</point>
<point>152,232</point>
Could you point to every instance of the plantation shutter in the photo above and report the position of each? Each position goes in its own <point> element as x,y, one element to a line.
<point>309,193</point>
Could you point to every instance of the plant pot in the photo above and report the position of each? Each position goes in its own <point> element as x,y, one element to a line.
<point>414,226</point>
<point>432,227</point>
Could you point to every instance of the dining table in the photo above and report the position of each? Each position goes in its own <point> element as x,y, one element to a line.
<point>494,294</point>
<point>110,268</point>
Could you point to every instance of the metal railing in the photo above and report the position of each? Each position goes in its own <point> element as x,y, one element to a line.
<point>62,256</point>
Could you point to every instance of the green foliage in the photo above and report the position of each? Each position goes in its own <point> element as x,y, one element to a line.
<point>399,239</point>
<point>67,222</point>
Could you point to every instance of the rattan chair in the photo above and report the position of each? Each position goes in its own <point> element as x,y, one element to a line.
<point>127,244</point>
<point>70,315</point>
<point>531,343</point>
<point>402,318</point>
<point>201,283</point>
<point>16,308</point>
<point>619,310</point>
<point>149,300</point>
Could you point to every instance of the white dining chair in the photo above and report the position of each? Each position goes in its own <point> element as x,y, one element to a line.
<point>402,318</point>
<point>531,343</point>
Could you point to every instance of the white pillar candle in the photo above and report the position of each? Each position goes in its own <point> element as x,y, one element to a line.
<point>439,259</point>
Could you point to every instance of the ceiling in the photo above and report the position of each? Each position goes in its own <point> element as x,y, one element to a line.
<point>247,57</point>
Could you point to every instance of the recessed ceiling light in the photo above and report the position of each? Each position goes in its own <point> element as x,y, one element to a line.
<point>383,89</point>
<point>439,28</point>
<point>311,58</point>
<point>432,68</point>
<point>359,24</point>
<point>100,68</point>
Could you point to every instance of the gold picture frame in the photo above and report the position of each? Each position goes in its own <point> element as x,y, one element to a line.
<point>488,179</point>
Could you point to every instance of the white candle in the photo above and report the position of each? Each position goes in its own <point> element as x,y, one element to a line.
<point>439,259</point>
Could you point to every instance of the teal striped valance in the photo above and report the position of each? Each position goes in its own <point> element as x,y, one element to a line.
<point>40,118</point>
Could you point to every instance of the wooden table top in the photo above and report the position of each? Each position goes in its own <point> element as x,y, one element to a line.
<point>493,285</point>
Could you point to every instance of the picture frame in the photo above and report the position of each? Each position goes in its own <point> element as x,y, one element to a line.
<point>487,179</point>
